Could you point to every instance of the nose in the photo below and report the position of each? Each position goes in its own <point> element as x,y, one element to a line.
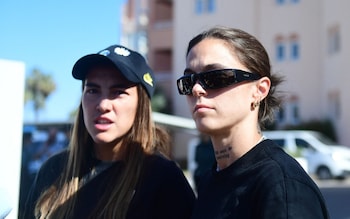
<point>198,90</point>
<point>104,105</point>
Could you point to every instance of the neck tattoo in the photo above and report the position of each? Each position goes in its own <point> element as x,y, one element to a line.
<point>223,153</point>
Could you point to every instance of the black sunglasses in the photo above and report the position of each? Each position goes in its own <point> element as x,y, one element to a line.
<point>214,79</point>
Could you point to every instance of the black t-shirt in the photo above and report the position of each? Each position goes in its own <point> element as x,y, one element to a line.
<point>162,192</point>
<point>265,183</point>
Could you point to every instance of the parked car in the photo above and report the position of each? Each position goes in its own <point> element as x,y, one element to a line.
<point>325,159</point>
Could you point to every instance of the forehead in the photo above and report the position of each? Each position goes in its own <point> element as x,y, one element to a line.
<point>212,52</point>
<point>105,73</point>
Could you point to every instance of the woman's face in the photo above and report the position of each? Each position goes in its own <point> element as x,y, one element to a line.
<point>218,110</point>
<point>109,105</point>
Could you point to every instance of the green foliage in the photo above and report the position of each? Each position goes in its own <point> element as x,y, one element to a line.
<point>297,153</point>
<point>160,103</point>
<point>73,114</point>
<point>38,87</point>
<point>324,126</point>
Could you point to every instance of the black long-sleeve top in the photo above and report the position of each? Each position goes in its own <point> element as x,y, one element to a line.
<point>162,191</point>
<point>265,183</point>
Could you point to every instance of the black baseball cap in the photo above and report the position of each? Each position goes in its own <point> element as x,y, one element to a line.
<point>130,63</point>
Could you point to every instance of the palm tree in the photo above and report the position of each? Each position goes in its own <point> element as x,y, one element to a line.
<point>38,87</point>
<point>160,103</point>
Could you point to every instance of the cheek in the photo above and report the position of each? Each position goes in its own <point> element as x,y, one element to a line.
<point>236,98</point>
<point>86,107</point>
<point>190,101</point>
<point>129,109</point>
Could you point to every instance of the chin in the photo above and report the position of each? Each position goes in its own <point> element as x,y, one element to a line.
<point>102,139</point>
<point>207,127</point>
<point>203,128</point>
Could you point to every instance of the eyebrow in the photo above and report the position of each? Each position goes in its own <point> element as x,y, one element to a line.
<point>121,85</point>
<point>209,67</point>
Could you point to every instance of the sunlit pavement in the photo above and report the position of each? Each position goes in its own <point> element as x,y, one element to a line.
<point>333,182</point>
<point>337,197</point>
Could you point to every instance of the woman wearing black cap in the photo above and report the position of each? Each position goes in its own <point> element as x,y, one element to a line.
<point>116,165</point>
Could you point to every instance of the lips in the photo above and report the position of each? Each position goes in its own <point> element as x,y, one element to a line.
<point>200,107</point>
<point>103,121</point>
<point>102,124</point>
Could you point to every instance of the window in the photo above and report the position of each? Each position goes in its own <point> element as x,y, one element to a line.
<point>293,104</point>
<point>288,114</point>
<point>294,50</point>
<point>294,46</point>
<point>334,104</point>
<point>283,2</point>
<point>211,6</point>
<point>295,112</point>
<point>281,114</point>
<point>280,48</point>
<point>334,39</point>
<point>280,142</point>
<point>280,51</point>
<point>287,48</point>
<point>199,7</point>
<point>303,145</point>
<point>205,6</point>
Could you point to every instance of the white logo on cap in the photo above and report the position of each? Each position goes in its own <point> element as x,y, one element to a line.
<point>104,52</point>
<point>122,51</point>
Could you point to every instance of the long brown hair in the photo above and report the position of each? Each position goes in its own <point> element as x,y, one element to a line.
<point>143,138</point>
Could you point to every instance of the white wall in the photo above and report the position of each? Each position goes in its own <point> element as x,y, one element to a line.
<point>310,78</point>
<point>11,97</point>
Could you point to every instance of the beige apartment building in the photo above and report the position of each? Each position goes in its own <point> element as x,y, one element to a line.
<point>307,41</point>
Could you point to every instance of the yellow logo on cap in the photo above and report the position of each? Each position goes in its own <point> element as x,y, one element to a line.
<point>148,79</point>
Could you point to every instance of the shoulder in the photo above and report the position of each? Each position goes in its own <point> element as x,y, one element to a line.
<point>162,169</point>
<point>47,175</point>
<point>162,183</point>
<point>160,163</point>
<point>55,163</point>
<point>285,163</point>
<point>279,167</point>
<point>293,188</point>
<point>51,169</point>
<point>161,173</point>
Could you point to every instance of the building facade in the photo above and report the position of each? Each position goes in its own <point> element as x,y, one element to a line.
<point>306,40</point>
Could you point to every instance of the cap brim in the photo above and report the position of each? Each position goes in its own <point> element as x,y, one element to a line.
<point>84,64</point>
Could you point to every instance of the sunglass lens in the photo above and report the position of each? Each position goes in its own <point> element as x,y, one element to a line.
<point>218,79</point>
<point>185,85</point>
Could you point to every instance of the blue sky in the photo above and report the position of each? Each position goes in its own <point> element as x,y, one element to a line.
<point>52,36</point>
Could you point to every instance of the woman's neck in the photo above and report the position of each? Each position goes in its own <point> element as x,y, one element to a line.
<point>229,149</point>
<point>108,152</point>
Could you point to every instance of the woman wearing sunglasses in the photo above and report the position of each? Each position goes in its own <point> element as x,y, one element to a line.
<point>231,94</point>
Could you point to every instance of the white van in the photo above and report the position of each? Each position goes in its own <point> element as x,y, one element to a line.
<point>324,158</point>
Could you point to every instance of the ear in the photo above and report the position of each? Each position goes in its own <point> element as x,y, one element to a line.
<point>263,87</point>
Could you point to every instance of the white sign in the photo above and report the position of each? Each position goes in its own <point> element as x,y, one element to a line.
<point>12,75</point>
